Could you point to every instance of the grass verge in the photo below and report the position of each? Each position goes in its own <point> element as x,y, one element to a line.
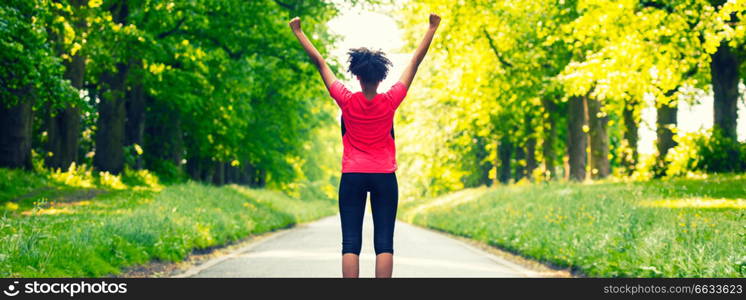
<point>663,228</point>
<point>125,227</point>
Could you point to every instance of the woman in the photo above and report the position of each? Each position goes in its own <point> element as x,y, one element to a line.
<point>369,159</point>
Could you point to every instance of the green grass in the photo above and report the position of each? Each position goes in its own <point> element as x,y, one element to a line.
<point>125,227</point>
<point>22,185</point>
<point>670,228</point>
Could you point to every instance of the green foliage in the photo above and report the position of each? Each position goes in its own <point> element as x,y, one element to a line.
<point>228,76</point>
<point>15,183</point>
<point>140,178</point>
<point>705,151</point>
<point>31,70</point>
<point>660,228</point>
<point>167,171</point>
<point>236,79</point>
<point>132,153</point>
<point>21,189</point>
<point>514,59</point>
<point>717,153</point>
<point>683,158</point>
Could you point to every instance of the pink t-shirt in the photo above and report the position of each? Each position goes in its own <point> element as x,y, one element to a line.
<point>368,142</point>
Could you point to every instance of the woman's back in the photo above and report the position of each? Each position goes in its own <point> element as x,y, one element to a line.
<point>368,128</point>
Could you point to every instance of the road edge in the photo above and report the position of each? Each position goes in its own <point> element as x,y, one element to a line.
<point>540,269</point>
<point>200,259</point>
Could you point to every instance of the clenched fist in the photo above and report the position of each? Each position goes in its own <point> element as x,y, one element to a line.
<point>434,21</point>
<point>295,24</point>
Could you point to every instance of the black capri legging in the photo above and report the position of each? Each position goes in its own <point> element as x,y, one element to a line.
<point>384,198</point>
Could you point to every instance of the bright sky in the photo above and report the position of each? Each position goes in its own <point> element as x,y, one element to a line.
<point>360,28</point>
<point>690,118</point>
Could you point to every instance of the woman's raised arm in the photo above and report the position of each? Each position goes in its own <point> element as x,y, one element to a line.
<point>326,74</point>
<point>408,75</point>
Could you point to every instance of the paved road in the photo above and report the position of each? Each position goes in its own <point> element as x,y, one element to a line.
<point>314,250</point>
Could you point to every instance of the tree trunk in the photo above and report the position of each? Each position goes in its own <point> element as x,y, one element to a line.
<point>577,138</point>
<point>194,169</point>
<point>630,156</point>
<point>63,128</point>
<point>520,168</point>
<point>261,178</point>
<point>163,139</point>
<point>110,126</point>
<point>666,117</point>
<point>246,176</point>
<point>63,131</point>
<point>530,146</point>
<point>231,174</point>
<point>550,135</point>
<point>505,151</point>
<point>531,163</point>
<point>724,71</point>
<point>135,124</point>
<point>598,121</point>
<point>201,169</point>
<point>111,110</point>
<point>484,165</point>
<point>15,132</point>
<point>219,175</point>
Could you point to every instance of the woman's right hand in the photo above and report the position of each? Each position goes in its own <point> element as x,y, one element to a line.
<point>295,24</point>
<point>434,21</point>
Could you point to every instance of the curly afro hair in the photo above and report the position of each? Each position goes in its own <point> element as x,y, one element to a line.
<point>371,66</point>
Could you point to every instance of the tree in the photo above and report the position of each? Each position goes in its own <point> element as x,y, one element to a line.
<point>577,138</point>
<point>63,124</point>
<point>31,77</point>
